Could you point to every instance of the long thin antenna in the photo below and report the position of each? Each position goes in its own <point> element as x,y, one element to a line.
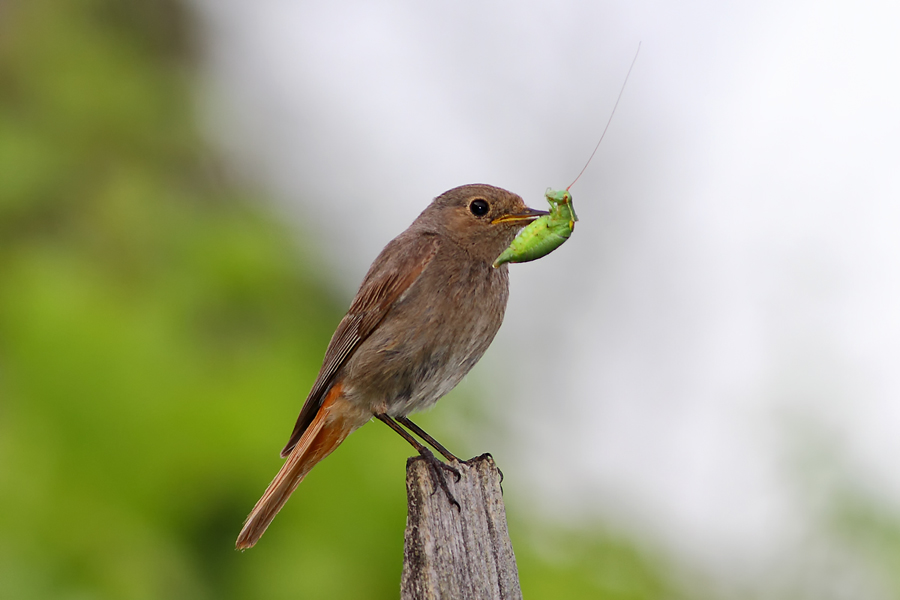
<point>610,118</point>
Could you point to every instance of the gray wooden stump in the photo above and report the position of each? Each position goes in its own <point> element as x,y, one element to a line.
<point>455,554</point>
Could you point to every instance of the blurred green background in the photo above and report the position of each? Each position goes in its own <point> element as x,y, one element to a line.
<point>158,321</point>
<point>156,324</point>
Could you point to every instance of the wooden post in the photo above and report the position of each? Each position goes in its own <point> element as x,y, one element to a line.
<point>455,554</point>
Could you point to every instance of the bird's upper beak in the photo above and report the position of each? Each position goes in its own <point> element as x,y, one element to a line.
<point>529,215</point>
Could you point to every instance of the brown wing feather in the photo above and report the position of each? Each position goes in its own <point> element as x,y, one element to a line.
<point>393,272</point>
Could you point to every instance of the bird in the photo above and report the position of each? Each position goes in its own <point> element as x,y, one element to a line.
<point>425,313</point>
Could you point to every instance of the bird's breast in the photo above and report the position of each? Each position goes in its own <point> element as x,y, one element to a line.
<point>431,337</point>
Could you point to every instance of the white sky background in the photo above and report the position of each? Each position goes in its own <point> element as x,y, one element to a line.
<point>733,286</point>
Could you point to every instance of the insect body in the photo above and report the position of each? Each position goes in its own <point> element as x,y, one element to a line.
<point>544,235</point>
<point>549,232</point>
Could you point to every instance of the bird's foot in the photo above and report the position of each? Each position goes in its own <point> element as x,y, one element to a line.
<point>437,467</point>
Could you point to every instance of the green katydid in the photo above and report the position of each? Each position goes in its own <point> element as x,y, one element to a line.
<point>547,233</point>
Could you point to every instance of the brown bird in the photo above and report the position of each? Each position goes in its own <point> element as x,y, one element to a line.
<point>426,311</point>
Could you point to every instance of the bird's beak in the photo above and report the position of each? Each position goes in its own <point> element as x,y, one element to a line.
<point>529,215</point>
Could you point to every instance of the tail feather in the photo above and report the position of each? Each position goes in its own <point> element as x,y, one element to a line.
<point>328,429</point>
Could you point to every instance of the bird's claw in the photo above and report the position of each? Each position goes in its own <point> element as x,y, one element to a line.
<point>437,468</point>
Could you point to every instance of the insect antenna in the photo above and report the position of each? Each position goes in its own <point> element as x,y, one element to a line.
<point>610,119</point>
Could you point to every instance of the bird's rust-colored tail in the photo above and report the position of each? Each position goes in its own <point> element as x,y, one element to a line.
<point>331,426</point>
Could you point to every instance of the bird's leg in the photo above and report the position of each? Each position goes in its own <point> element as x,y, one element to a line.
<point>431,441</point>
<point>438,446</point>
<point>434,464</point>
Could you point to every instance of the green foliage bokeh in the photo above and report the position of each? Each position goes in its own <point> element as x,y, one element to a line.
<point>159,329</point>
<point>155,322</point>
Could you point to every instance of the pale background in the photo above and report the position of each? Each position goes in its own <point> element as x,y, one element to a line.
<point>714,354</point>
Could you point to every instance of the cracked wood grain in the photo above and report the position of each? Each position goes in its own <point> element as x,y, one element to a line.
<point>456,554</point>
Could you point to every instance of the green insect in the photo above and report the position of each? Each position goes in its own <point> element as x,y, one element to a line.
<point>547,233</point>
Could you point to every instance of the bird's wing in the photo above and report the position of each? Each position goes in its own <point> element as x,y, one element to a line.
<point>393,272</point>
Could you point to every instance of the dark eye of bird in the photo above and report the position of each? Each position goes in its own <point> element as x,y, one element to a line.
<point>479,207</point>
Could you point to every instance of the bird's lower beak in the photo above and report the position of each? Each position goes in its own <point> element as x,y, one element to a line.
<point>529,215</point>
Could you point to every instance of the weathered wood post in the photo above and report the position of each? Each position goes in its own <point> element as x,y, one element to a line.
<point>455,554</point>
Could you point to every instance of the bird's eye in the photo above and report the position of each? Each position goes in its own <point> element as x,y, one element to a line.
<point>479,207</point>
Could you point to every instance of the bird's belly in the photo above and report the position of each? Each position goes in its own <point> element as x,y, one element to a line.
<point>409,365</point>
<point>403,377</point>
